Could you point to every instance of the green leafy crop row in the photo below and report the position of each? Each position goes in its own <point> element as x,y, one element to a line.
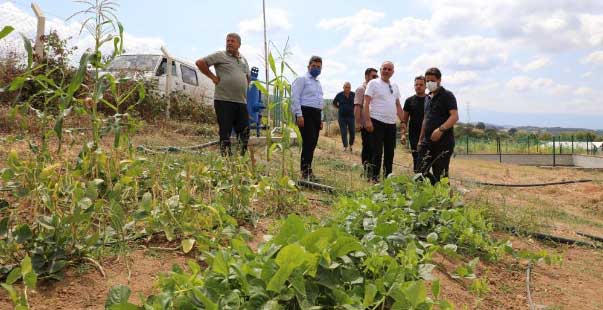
<point>374,253</point>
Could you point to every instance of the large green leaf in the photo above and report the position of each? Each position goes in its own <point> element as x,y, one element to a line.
<point>22,234</point>
<point>416,293</point>
<point>28,49</point>
<point>345,245</point>
<point>118,294</point>
<point>78,78</point>
<point>209,305</point>
<point>292,230</point>
<point>272,64</point>
<point>220,263</point>
<point>6,31</point>
<point>288,258</point>
<point>370,291</point>
<point>187,245</point>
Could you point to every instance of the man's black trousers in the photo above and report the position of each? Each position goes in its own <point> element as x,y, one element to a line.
<point>309,133</point>
<point>232,115</point>
<point>383,143</point>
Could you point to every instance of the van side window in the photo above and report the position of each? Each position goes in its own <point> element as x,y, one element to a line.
<point>161,69</point>
<point>189,75</point>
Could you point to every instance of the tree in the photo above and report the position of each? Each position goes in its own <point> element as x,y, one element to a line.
<point>480,125</point>
<point>512,131</point>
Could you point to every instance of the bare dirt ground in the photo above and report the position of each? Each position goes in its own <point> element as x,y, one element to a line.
<point>560,210</point>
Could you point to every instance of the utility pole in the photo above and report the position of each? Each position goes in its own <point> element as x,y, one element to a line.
<point>39,44</point>
<point>266,61</point>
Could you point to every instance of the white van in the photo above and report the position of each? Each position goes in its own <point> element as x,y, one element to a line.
<point>186,77</point>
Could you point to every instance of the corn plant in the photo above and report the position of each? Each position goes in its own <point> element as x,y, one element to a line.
<point>281,92</point>
<point>101,22</point>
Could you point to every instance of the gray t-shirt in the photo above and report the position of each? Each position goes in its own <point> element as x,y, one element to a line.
<point>233,73</point>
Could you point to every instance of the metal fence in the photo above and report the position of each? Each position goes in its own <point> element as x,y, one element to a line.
<point>528,145</point>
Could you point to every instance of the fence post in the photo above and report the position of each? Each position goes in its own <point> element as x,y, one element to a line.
<point>554,147</point>
<point>587,146</point>
<point>572,144</point>
<point>528,144</point>
<point>537,144</point>
<point>499,150</point>
<point>467,144</point>
<point>168,79</point>
<point>39,44</point>
<point>560,146</point>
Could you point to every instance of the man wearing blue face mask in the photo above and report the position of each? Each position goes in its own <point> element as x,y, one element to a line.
<point>306,105</point>
<point>436,141</point>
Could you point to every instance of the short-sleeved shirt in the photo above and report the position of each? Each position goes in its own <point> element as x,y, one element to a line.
<point>345,104</point>
<point>415,106</point>
<point>233,72</point>
<point>359,100</point>
<point>383,100</point>
<point>437,111</point>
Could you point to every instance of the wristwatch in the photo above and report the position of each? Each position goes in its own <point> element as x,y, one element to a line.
<point>442,129</point>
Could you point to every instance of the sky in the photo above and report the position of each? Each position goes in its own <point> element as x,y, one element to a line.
<point>508,62</point>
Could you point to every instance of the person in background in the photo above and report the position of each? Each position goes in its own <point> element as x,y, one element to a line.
<point>230,97</point>
<point>365,154</point>
<point>437,136</point>
<point>306,106</point>
<point>382,105</point>
<point>344,101</point>
<point>412,119</point>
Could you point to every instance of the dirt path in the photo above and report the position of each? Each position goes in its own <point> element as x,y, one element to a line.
<point>85,288</point>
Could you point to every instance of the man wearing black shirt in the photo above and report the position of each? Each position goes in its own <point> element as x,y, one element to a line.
<point>414,109</point>
<point>437,136</point>
<point>344,101</point>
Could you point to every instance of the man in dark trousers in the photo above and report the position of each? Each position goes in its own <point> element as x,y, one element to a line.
<point>230,97</point>
<point>437,136</point>
<point>306,105</point>
<point>365,155</point>
<point>412,119</point>
<point>382,105</point>
<point>344,101</point>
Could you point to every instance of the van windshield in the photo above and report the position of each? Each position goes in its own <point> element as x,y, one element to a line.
<point>135,62</point>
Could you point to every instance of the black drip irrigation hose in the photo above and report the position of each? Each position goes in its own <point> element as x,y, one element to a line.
<point>317,186</point>
<point>546,237</point>
<point>599,239</point>
<point>176,149</point>
<point>527,185</point>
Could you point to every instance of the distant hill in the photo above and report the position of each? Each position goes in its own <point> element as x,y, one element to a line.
<point>554,130</point>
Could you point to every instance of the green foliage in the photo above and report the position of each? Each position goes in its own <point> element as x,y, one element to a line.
<point>26,273</point>
<point>6,30</point>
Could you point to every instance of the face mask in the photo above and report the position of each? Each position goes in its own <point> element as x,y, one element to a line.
<point>432,86</point>
<point>314,72</point>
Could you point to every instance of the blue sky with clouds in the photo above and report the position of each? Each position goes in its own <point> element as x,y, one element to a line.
<point>510,62</point>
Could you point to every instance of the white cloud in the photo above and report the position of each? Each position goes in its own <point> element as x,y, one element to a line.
<point>25,22</point>
<point>461,77</point>
<point>276,19</point>
<point>367,39</point>
<point>595,58</point>
<point>554,25</point>
<point>464,53</point>
<point>536,64</point>
<point>527,84</point>
<point>584,91</point>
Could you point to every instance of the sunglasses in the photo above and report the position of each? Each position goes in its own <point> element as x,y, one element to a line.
<point>374,76</point>
<point>391,90</point>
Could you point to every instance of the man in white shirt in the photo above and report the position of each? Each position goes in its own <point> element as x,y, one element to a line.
<point>382,104</point>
